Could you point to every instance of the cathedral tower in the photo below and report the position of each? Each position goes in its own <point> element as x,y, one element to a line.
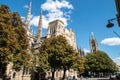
<point>40,25</point>
<point>27,25</point>
<point>28,17</point>
<point>93,44</point>
<point>39,34</point>
<point>55,28</point>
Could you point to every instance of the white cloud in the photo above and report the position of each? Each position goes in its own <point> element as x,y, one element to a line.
<point>111,41</point>
<point>23,19</point>
<point>56,10</point>
<point>34,20</point>
<point>86,50</point>
<point>26,6</point>
<point>53,6</point>
<point>45,22</point>
<point>117,60</point>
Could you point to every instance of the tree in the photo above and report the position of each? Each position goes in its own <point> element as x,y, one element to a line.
<point>22,54</point>
<point>99,62</point>
<point>60,54</point>
<point>4,38</point>
<point>79,64</point>
<point>13,40</point>
<point>67,58</point>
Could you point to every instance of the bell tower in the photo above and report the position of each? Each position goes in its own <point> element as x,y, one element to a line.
<point>93,44</point>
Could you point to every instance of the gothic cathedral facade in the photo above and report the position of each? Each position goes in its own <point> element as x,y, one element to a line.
<point>55,28</point>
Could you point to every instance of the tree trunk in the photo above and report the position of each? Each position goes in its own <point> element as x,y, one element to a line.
<point>2,71</point>
<point>64,74</point>
<point>53,73</point>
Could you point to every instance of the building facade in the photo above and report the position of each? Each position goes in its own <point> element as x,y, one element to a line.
<point>55,28</point>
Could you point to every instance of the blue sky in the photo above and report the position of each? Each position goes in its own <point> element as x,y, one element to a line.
<point>83,16</point>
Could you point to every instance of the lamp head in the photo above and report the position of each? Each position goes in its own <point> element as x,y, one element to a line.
<point>110,24</point>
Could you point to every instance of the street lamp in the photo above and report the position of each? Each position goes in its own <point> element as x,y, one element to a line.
<point>110,24</point>
<point>110,21</point>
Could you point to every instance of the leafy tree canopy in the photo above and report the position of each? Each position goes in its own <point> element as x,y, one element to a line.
<point>99,61</point>
<point>13,39</point>
<point>60,55</point>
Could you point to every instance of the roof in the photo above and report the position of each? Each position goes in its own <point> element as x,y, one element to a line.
<point>58,20</point>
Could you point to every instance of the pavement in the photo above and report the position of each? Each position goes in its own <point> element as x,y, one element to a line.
<point>93,79</point>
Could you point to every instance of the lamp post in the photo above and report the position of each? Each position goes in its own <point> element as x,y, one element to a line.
<point>110,24</point>
<point>117,2</point>
<point>116,34</point>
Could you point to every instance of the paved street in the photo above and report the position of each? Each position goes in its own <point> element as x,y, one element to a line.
<point>93,79</point>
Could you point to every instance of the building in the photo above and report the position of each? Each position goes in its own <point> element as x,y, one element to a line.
<point>82,53</point>
<point>118,11</point>
<point>28,26</point>
<point>55,28</point>
<point>93,44</point>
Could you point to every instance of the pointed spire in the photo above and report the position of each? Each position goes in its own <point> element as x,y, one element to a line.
<point>39,34</point>
<point>92,35</point>
<point>28,16</point>
<point>40,25</point>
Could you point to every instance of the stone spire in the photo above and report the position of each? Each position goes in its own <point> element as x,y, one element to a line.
<point>28,17</point>
<point>93,35</point>
<point>27,25</point>
<point>40,25</point>
<point>39,34</point>
<point>93,44</point>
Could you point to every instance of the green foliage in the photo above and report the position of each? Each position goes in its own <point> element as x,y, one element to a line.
<point>79,63</point>
<point>7,40</point>
<point>42,59</point>
<point>99,62</point>
<point>13,39</point>
<point>59,54</point>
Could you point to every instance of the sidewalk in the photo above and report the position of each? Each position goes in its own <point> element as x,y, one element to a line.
<point>93,79</point>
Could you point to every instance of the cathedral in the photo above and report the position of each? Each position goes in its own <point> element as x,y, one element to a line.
<point>55,28</point>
